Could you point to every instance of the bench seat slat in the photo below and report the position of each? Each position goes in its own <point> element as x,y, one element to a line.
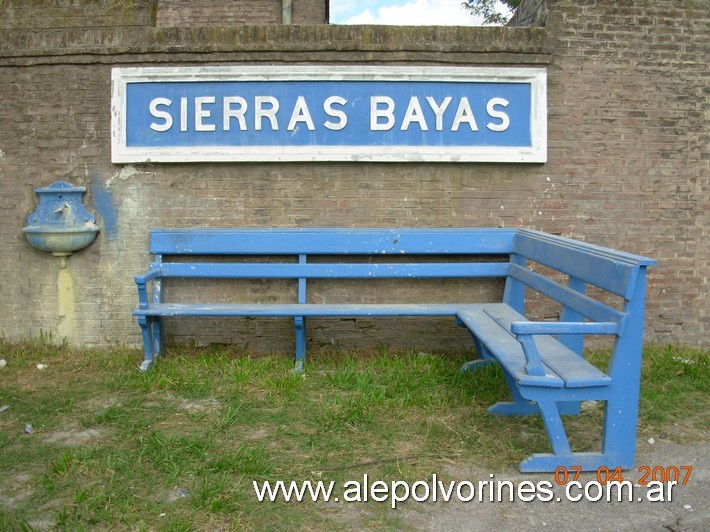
<point>491,324</point>
<point>505,348</point>
<point>573,369</point>
<point>299,310</point>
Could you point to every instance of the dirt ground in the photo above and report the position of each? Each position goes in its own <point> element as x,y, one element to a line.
<point>688,510</point>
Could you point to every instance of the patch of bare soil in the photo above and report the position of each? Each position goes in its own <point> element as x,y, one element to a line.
<point>15,489</point>
<point>75,437</point>
<point>198,405</point>
<point>95,404</point>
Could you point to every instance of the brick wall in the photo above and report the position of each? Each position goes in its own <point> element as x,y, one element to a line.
<point>82,14</point>
<point>629,144</point>
<point>627,161</point>
<point>175,13</point>
<point>49,15</point>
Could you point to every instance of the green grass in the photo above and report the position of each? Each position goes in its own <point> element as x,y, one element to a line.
<point>177,448</point>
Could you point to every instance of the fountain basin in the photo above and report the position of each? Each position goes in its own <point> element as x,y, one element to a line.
<point>61,241</point>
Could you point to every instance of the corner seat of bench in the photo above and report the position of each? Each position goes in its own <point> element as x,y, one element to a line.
<point>563,368</point>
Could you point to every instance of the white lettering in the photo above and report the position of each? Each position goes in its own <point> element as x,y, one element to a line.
<point>444,492</point>
<point>414,114</point>
<point>183,114</point>
<point>201,113</point>
<point>460,489</point>
<point>228,112</point>
<point>545,493</point>
<point>376,113</point>
<point>670,485</point>
<point>439,110</point>
<point>260,112</point>
<point>352,491</point>
<point>395,496</point>
<point>335,113</point>
<point>464,114</point>
<point>424,495</point>
<point>496,113</point>
<point>301,114</point>
<point>568,489</point>
<point>593,497</point>
<point>164,115</point>
<point>655,491</point>
<point>379,491</point>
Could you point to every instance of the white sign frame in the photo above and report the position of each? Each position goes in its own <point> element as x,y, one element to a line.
<point>535,153</point>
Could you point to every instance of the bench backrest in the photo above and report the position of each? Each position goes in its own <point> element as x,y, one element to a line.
<point>330,241</point>
<point>613,271</point>
<point>304,243</point>
<point>610,270</point>
<point>616,272</point>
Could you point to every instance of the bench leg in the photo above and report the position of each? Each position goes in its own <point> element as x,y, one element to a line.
<point>300,323</point>
<point>518,407</point>
<point>620,422</point>
<point>561,451</point>
<point>484,356</point>
<point>148,343</point>
<point>619,436</point>
<point>621,409</point>
<point>158,339</point>
<point>473,365</point>
<point>555,430</point>
<point>617,445</point>
<point>541,463</point>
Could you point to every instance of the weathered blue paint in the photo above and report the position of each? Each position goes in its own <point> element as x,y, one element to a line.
<point>305,116</point>
<point>541,361</point>
<point>105,206</point>
<point>329,113</point>
<point>60,224</point>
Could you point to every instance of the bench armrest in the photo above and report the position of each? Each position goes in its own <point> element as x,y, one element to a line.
<point>142,282</point>
<point>526,330</point>
<point>562,327</point>
<point>154,273</point>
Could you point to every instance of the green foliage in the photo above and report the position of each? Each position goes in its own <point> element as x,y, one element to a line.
<point>488,9</point>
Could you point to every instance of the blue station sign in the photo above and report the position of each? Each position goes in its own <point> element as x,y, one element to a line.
<point>296,113</point>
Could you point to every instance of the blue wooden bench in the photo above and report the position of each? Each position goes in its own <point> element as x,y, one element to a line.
<point>542,361</point>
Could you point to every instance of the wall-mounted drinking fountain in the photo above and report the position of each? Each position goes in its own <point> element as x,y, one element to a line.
<point>61,224</point>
